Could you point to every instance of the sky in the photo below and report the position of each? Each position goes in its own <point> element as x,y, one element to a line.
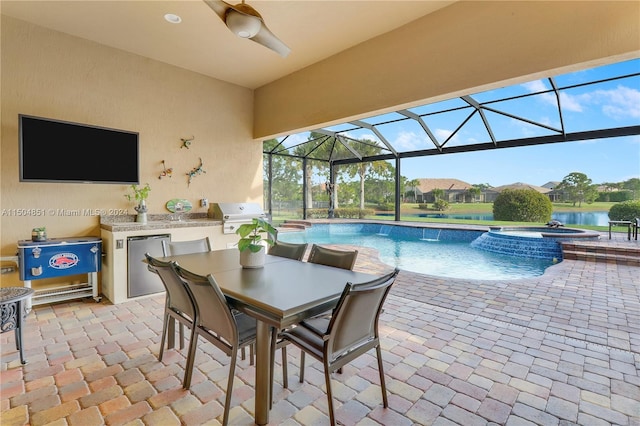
<point>610,160</point>
<point>605,105</point>
<point>608,104</point>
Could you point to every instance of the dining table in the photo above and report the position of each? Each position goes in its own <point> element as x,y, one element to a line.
<point>280,294</point>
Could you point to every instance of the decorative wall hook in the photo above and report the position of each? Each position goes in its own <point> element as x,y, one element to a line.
<point>166,172</point>
<point>186,142</point>
<point>195,172</point>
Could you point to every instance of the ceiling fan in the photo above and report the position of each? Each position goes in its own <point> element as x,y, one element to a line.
<point>244,21</point>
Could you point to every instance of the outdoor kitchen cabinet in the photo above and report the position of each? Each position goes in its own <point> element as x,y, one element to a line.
<point>115,260</point>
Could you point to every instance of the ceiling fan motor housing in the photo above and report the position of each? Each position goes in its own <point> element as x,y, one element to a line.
<point>243,20</point>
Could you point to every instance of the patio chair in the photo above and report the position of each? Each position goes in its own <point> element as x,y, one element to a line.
<point>173,248</point>
<point>351,331</point>
<point>178,304</point>
<point>296,252</point>
<point>289,250</point>
<point>216,323</point>
<point>201,245</point>
<point>345,259</point>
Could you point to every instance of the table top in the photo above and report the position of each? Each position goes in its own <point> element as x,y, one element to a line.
<point>13,294</point>
<point>282,292</point>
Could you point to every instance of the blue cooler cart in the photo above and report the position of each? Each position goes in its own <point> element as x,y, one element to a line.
<point>59,257</point>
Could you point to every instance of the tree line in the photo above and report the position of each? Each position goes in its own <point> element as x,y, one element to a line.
<point>373,183</point>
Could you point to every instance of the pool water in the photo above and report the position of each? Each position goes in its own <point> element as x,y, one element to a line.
<point>432,252</point>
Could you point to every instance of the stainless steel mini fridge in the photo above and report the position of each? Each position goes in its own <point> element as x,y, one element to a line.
<point>141,281</point>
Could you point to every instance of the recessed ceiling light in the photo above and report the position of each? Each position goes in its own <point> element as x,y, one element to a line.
<point>174,19</point>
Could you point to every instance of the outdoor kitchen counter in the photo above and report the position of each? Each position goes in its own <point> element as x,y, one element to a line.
<point>117,231</point>
<point>160,222</point>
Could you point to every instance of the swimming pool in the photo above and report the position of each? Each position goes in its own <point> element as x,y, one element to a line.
<point>431,251</point>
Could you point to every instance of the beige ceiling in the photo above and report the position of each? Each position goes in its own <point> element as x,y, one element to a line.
<point>313,29</point>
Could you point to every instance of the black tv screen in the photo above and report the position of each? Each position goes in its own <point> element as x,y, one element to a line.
<point>60,151</point>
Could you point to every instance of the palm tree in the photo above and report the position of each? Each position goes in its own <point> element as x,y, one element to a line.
<point>414,184</point>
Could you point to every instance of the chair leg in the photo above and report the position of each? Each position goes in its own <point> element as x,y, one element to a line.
<point>383,386</point>
<point>181,336</point>
<point>227,399</point>
<point>191,358</point>
<point>327,379</point>
<point>285,374</point>
<point>164,335</point>
<point>272,349</point>
<point>302,355</point>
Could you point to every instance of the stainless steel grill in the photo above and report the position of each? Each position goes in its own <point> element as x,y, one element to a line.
<point>233,215</point>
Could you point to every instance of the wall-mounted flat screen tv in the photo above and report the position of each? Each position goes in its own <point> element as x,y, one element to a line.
<point>60,151</point>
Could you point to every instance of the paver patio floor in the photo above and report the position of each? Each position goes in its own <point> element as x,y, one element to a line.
<point>563,348</point>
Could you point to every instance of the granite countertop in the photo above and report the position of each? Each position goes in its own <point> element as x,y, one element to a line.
<point>122,223</point>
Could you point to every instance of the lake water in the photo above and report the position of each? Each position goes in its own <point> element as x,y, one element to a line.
<point>570,218</point>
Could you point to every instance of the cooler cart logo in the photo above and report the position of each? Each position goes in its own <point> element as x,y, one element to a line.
<point>63,261</point>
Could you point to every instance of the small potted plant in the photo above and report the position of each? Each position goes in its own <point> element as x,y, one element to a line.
<point>140,195</point>
<point>39,234</point>
<point>254,238</point>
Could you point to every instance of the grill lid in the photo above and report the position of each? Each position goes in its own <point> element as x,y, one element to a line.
<point>236,212</point>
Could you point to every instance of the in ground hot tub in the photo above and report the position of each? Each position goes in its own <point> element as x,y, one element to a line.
<point>530,241</point>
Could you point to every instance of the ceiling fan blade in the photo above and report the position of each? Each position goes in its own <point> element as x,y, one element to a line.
<point>266,38</point>
<point>219,7</point>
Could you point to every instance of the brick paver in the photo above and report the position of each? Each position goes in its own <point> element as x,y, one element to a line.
<point>563,348</point>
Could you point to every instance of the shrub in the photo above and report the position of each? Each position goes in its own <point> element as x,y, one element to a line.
<point>626,210</point>
<point>316,213</point>
<point>344,213</point>
<point>615,197</point>
<point>386,207</point>
<point>522,205</point>
<point>441,205</point>
<point>424,206</point>
<point>352,213</point>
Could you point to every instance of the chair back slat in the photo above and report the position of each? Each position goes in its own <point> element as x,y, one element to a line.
<point>331,257</point>
<point>173,248</point>
<point>178,298</point>
<point>212,310</point>
<point>288,250</point>
<point>354,322</point>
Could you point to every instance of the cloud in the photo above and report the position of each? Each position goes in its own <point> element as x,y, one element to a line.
<point>408,141</point>
<point>442,135</point>
<point>568,102</point>
<point>620,102</point>
<point>535,86</point>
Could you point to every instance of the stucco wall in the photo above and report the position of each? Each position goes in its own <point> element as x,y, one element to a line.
<point>461,49</point>
<point>51,74</point>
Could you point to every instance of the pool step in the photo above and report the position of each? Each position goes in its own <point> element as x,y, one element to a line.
<point>629,256</point>
<point>296,224</point>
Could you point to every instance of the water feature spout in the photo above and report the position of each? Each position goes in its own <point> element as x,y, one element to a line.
<point>435,232</point>
<point>384,230</point>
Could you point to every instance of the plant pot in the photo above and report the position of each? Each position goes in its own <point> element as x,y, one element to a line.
<point>141,218</point>
<point>251,260</point>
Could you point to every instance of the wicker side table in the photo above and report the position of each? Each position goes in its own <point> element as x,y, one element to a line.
<point>12,313</point>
